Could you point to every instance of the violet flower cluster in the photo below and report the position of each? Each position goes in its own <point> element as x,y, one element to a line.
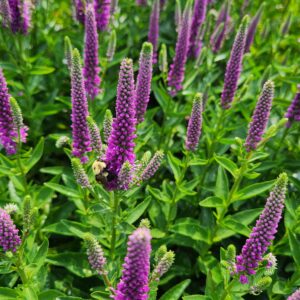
<point>79,6</point>
<point>154,29</point>
<point>264,231</point>
<point>80,132</point>
<point>143,85</point>
<point>176,73</point>
<point>293,112</point>
<point>91,61</point>
<point>295,295</point>
<point>260,116</point>
<point>197,21</point>
<point>234,65</point>
<point>9,234</point>
<point>102,12</point>
<point>135,274</point>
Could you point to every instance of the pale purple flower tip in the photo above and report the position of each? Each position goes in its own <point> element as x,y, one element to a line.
<point>293,112</point>
<point>9,234</point>
<point>143,85</point>
<point>234,65</point>
<point>154,29</point>
<point>197,21</point>
<point>80,132</point>
<point>5,13</point>
<point>135,274</point>
<point>79,6</point>
<point>125,176</point>
<point>264,231</point>
<point>176,73</point>
<point>102,11</point>
<point>121,140</point>
<point>295,296</point>
<point>91,60</point>
<point>152,166</point>
<point>260,116</point>
<point>195,124</point>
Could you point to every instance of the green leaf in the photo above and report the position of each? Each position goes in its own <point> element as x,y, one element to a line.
<point>175,165</point>
<point>57,170</point>
<point>62,189</point>
<point>227,164</point>
<point>41,70</point>
<point>42,253</point>
<point>136,213</point>
<point>294,245</point>
<point>253,190</point>
<point>8,294</point>
<point>235,226</point>
<point>196,297</point>
<point>212,201</point>
<point>198,162</point>
<point>50,295</point>
<point>222,187</point>
<point>176,291</point>
<point>35,155</point>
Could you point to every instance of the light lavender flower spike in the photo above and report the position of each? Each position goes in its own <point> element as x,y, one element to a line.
<point>125,176</point>
<point>177,69</point>
<point>178,15</point>
<point>5,13</point>
<point>260,117</point>
<point>234,65</point>
<point>153,165</point>
<point>295,295</point>
<point>95,135</point>
<point>153,33</point>
<point>80,174</point>
<point>195,124</point>
<point>263,233</point>
<point>293,112</point>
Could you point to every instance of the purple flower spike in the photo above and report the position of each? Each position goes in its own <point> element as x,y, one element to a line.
<point>176,73</point>
<point>234,65</point>
<point>293,112</point>
<point>295,296</point>
<point>19,15</point>
<point>141,2</point>
<point>102,10</point>
<point>252,28</point>
<point>79,6</point>
<point>260,116</point>
<point>91,61</point>
<point>80,130</point>
<point>5,13</point>
<point>134,281</point>
<point>197,21</point>
<point>9,234</point>
<point>120,143</point>
<point>154,29</point>
<point>153,165</point>
<point>143,85</point>
<point>264,231</point>
<point>195,124</point>
<point>26,16</point>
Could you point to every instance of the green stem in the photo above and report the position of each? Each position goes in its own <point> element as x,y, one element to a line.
<point>19,163</point>
<point>115,207</point>
<point>106,281</point>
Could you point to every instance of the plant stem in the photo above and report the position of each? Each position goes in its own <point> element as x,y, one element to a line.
<point>115,207</point>
<point>19,163</point>
<point>106,281</point>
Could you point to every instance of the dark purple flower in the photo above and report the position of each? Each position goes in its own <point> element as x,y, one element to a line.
<point>195,124</point>
<point>80,132</point>
<point>293,112</point>
<point>260,116</point>
<point>19,15</point>
<point>79,6</point>
<point>121,140</point>
<point>143,85</point>
<point>252,28</point>
<point>176,73</point>
<point>134,281</point>
<point>295,296</point>
<point>91,61</point>
<point>154,29</point>
<point>264,231</point>
<point>197,21</point>
<point>102,11</point>
<point>9,234</point>
<point>162,3</point>
<point>234,65</point>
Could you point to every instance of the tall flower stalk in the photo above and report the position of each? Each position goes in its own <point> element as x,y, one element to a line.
<point>153,33</point>
<point>234,65</point>
<point>102,11</point>
<point>177,69</point>
<point>20,15</point>
<point>293,112</point>
<point>80,132</point>
<point>79,6</point>
<point>91,60</point>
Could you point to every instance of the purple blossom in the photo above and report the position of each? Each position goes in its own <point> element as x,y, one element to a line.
<point>79,10</point>
<point>152,166</point>
<point>234,65</point>
<point>134,281</point>
<point>260,116</point>
<point>5,13</point>
<point>91,61</point>
<point>154,28</point>
<point>121,140</point>
<point>102,11</point>
<point>264,231</point>
<point>141,2</point>
<point>295,295</point>
<point>9,234</point>
<point>293,112</point>
<point>195,124</point>
<point>197,21</point>
<point>19,15</point>
<point>96,142</point>
<point>176,73</point>
<point>80,132</point>
<point>80,174</point>
<point>143,85</point>
<point>252,28</point>
<point>125,176</point>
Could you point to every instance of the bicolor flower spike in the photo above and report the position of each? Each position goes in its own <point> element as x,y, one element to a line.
<point>260,116</point>
<point>234,65</point>
<point>5,13</point>
<point>125,176</point>
<point>195,124</point>
<point>143,85</point>
<point>293,112</point>
<point>264,231</point>
<point>177,69</point>
<point>96,142</point>
<point>80,174</point>
<point>153,165</point>
<point>135,274</point>
<point>80,131</point>
<point>153,33</point>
